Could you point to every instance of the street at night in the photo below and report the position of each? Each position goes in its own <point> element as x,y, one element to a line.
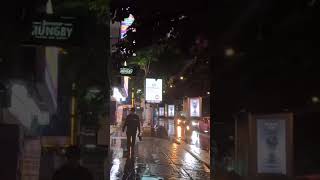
<point>159,90</point>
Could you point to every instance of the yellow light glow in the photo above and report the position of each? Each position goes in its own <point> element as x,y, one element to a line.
<point>188,128</point>
<point>179,131</point>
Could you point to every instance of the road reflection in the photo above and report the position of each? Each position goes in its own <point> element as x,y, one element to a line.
<point>115,169</point>
<point>179,132</point>
<point>184,132</point>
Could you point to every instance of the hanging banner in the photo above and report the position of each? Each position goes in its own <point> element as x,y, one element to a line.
<point>271,146</point>
<point>171,110</point>
<point>194,107</point>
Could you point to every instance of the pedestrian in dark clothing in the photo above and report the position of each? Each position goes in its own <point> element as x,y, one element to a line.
<point>132,123</point>
<point>72,169</point>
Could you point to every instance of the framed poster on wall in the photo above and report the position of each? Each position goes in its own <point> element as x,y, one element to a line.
<point>271,144</point>
<point>161,111</point>
<point>171,110</point>
<point>153,90</point>
<point>195,107</point>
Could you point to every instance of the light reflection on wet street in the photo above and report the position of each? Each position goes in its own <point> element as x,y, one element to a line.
<point>190,136</point>
<point>159,159</point>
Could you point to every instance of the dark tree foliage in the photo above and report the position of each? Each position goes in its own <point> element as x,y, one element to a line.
<point>154,20</point>
<point>174,24</point>
<point>274,67</point>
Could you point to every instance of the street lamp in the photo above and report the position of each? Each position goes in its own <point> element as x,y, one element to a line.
<point>229,52</point>
<point>208,92</point>
<point>181,77</point>
<point>315,99</point>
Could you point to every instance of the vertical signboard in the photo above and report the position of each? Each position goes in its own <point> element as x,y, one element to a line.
<point>195,107</point>
<point>171,110</point>
<point>271,146</point>
<point>153,90</point>
<point>161,111</point>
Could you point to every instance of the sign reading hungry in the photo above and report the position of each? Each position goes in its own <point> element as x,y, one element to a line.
<point>50,30</point>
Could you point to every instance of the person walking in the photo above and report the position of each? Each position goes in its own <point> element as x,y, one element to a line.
<point>72,168</point>
<point>132,123</point>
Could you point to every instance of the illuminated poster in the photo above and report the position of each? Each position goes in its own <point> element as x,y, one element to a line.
<point>271,146</point>
<point>153,90</point>
<point>161,111</point>
<point>194,107</point>
<point>171,110</point>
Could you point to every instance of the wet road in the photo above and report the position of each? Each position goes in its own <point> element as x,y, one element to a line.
<point>157,158</point>
<point>190,135</point>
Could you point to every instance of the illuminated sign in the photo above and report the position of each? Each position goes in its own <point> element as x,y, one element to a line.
<point>55,30</point>
<point>51,30</point>
<point>127,71</point>
<point>153,90</point>
<point>194,107</point>
<point>171,110</point>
